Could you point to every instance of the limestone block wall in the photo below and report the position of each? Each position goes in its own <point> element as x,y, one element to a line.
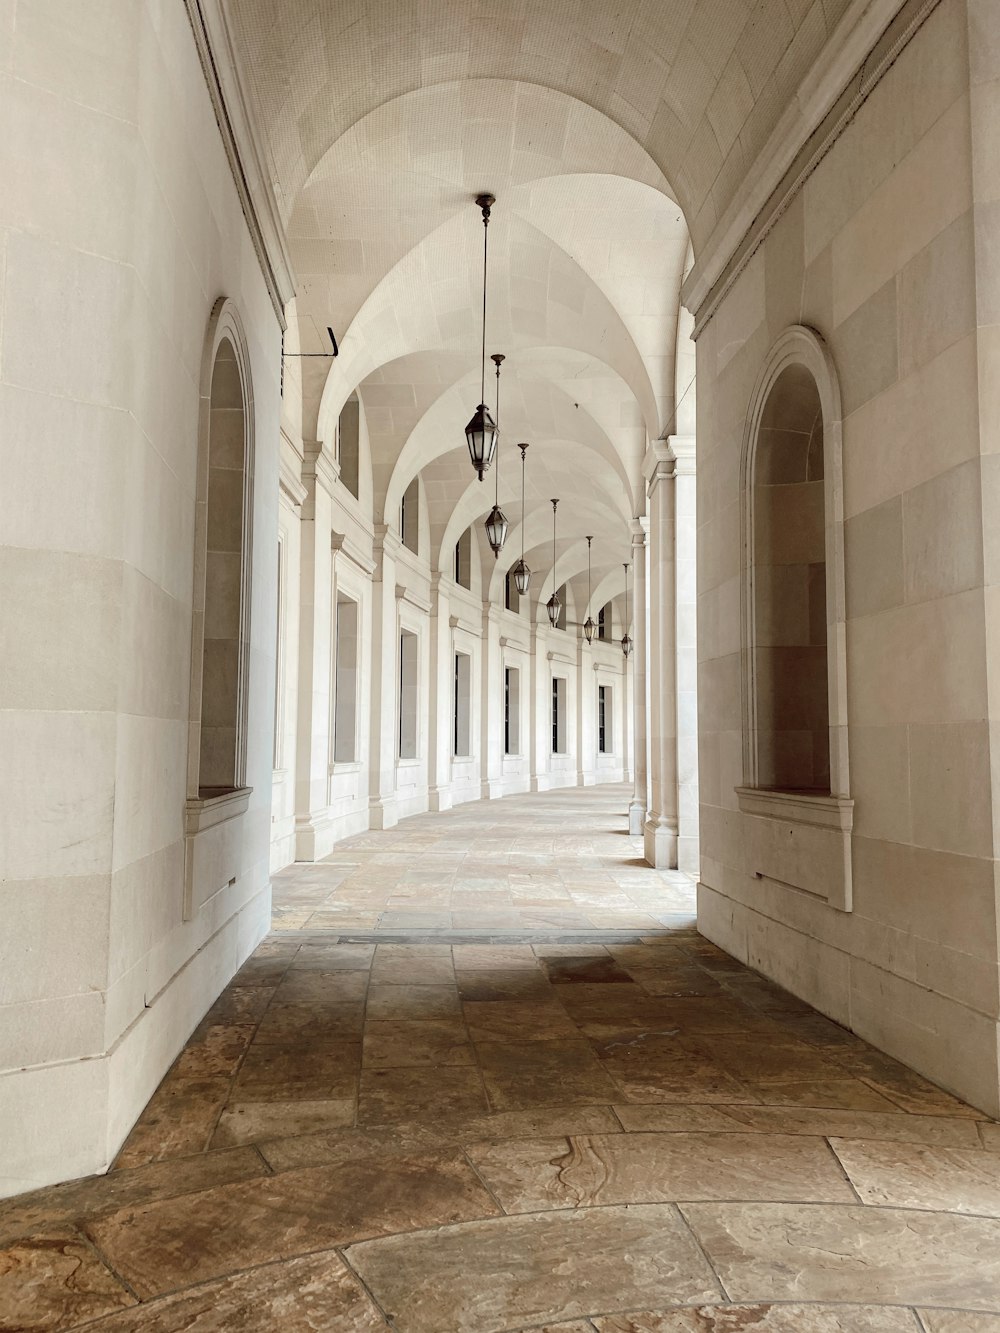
<point>888,254</point>
<point>120,229</point>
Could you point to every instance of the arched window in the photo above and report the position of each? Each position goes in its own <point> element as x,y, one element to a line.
<point>789,589</point>
<point>463,559</point>
<point>220,658</point>
<point>796,784</point>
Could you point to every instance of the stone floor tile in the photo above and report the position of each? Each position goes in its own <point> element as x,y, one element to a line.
<point>877,1255</point>
<point>285,1073</point>
<point>179,1120</point>
<point>585,970</point>
<point>527,1175</point>
<point>165,1246</point>
<point>494,957</point>
<point>309,1024</point>
<point>845,1094</point>
<point>389,1095</point>
<point>989,1133</point>
<point>421,950</point>
<point>763,1319</point>
<point>433,1134</point>
<point>503,984</point>
<point>515,1021</point>
<point>214,1051</point>
<point>892,1127</point>
<point>312,987</point>
<point>909,1175</point>
<point>543,1073</point>
<point>412,1002</point>
<point>959,1321</point>
<point>759,1058</point>
<point>51,1210</point>
<point>398,1043</point>
<point>55,1282</point>
<point>548,1267</point>
<point>421,971</point>
<point>903,1086</point>
<point>333,958</point>
<point>239,1004</point>
<point>252,1122</point>
<point>314,1294</point>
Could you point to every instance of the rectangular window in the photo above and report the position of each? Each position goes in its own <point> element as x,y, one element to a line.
<point>511,597</point>
<point>602,623</point>
<point>463,559</point>
<point>278,661</point>
<point>512,711</point>
<point>345,683</point>
<point>407,695</point>
<point>558,715</point>
<point>463,705</point>
<point>408,516</point>
<point>605,712</point>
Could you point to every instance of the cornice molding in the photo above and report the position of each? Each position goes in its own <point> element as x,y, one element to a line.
<point>404,594</point>
<point>340,545</point>
<point>236,128</point>
<point>866,42</point>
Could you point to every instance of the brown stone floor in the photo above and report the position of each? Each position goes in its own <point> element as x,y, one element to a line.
<point>484,1076</point>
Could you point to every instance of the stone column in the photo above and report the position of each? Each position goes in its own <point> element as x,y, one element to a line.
<point>660,831</point>
<point>686,639</point>
<point>384,746</point>
<point>491,708</point>
<point>585,743</point>
<point>312,744</point>
<point>536,703</point>
<point>640,795</point>
<point>439,722</point>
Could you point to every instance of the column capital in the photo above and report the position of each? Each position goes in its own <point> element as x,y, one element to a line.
<point>683,449</point>
<point>319,468</point>
<point>658,465</point>
<point>639,528</point>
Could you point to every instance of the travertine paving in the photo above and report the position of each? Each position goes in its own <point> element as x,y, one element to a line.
<point>485,1076</point>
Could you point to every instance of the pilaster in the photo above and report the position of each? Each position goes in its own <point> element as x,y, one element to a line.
<point>640,794</point>
<point>660,829</point>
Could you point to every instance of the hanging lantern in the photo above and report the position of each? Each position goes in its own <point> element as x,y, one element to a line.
<point>554,605</point>
<point>496,530</point>
<point>481,437</point>
<point>522,574</point>
<point>626,641</point>
<point>496,523</point>
<point>589,628</point>
<point>481,432</point>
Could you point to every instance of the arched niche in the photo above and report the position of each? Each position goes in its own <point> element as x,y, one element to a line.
<point>223,558</point>
<point>794,667</point>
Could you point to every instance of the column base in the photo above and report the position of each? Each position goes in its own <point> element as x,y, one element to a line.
<point>636,819</point>
<point>383,813</point>
<point>439,798</point>
<point>490,789</point>
<point>313,836</point>
<point>660,843</point>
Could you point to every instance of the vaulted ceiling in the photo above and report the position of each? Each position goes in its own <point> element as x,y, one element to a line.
<point>614,136</point>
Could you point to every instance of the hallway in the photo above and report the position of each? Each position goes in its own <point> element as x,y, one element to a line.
<point>485,1075</point>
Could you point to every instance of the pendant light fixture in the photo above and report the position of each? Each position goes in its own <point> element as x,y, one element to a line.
<point>522,574</point>
<point>481,432</point>
<point>496,523</point>
<point>626,641</point>
<point>553,605</point>
<point>589,628</point>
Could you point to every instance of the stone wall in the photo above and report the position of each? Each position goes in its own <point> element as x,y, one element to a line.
<point>120,230</point>
<point>887,253</point>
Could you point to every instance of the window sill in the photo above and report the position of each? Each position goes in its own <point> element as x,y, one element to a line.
<point>802,839</point>
<point>204,812</point>
<point>346,766</point>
